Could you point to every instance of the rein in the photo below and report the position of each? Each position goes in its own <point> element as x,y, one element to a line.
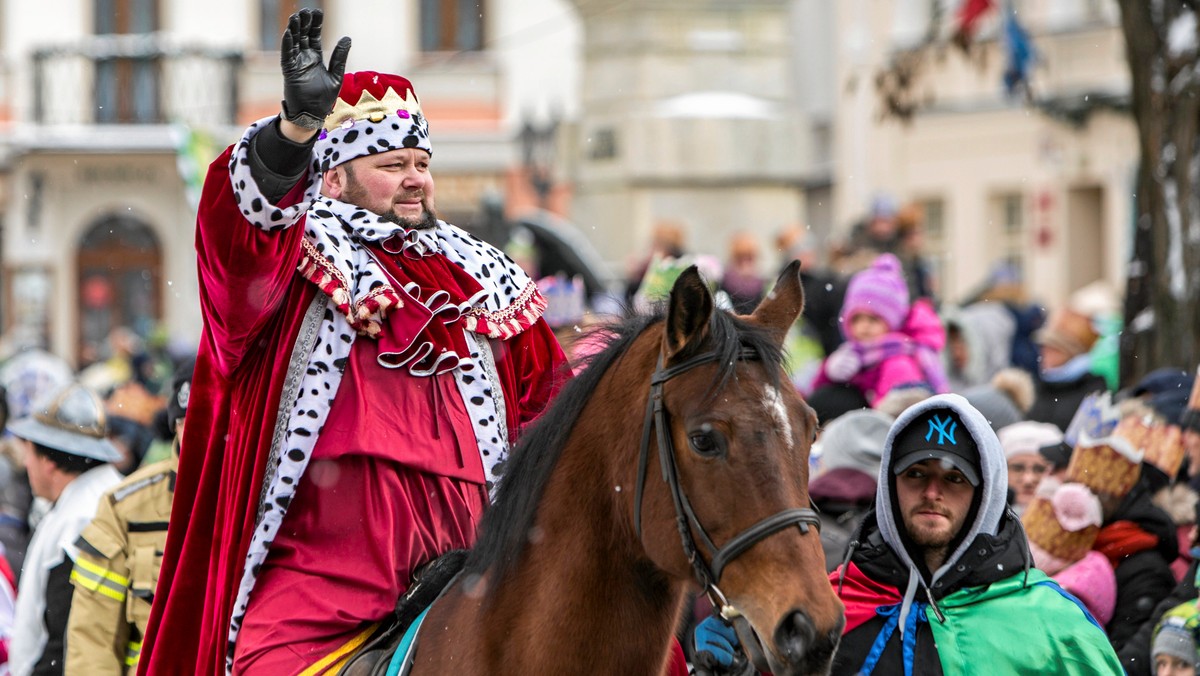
<point>707,574</point>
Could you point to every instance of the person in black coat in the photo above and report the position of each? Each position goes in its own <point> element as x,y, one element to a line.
<point>1135,653</point>
<point>1064,375</point>
<point>851,448</point>
<point>824,290</point>
<point>1140,541</point>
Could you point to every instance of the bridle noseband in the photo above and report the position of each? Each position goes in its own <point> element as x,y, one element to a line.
<point>707,574</point>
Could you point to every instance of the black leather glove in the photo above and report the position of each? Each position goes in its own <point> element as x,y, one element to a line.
<point>309,88</point>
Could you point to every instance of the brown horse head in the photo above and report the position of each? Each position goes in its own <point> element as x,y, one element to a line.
<point>569,552</point>
<point>740,438</point>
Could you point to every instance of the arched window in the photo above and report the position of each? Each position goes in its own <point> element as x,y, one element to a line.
<point>119,272</point>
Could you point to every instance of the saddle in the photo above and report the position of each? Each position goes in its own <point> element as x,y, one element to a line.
<point>428,584</point>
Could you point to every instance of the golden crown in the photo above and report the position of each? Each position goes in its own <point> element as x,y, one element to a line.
<point>371,108</point>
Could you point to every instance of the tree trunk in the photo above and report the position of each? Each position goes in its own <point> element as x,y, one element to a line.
<point>1162,302</point>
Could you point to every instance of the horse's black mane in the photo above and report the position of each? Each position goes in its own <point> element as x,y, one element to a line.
<point>506,525</point>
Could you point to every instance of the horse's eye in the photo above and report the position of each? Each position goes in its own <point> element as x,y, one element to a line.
<point>704,443</point>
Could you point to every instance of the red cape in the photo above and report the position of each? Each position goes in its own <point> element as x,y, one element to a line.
<point>253,302</point>
<point>862,596</point>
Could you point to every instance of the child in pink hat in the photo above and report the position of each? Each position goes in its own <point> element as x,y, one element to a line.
<point>889,342</point>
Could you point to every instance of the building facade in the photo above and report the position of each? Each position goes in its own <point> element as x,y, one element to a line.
<point>1046,187</point>
<point>110,111</point>
<point>725,117</point>
<point>713,116</point>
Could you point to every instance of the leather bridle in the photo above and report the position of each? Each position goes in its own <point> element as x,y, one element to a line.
<point>707,574</point>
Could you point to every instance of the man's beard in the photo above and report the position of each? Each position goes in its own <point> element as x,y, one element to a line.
<point>931,538</point>
<point>357,195</point>
<point>425,221</point>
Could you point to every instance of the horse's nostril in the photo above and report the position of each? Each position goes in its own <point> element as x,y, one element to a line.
<point>794,636</point>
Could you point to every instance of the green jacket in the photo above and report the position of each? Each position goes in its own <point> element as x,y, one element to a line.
<point>1004,628</point>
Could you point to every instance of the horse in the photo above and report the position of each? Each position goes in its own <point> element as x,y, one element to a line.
<point>579,566</point>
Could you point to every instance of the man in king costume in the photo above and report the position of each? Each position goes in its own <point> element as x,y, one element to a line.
<point>363,370</point>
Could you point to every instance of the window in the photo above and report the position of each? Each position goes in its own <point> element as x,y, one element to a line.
<point>1014,218</point>
<point>29,295</point>
<point>603,144</point>
<point>936,246</point>
<point>127,87</point>
<point>273,17</point>
<point>451,25</point>
<point>935,219</point>
<point>1007,220</point>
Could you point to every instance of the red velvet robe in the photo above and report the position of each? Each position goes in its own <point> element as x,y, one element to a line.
<point>253,302</point>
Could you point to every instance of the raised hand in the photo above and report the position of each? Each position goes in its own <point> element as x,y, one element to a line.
<point>309,88</point>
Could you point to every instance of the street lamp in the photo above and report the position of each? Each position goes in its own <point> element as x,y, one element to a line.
<point>538,153</point>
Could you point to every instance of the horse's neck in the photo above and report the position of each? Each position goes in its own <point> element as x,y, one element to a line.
<point>584,595</point>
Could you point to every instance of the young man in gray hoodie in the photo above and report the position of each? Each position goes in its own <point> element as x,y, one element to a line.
<point>939,580</point>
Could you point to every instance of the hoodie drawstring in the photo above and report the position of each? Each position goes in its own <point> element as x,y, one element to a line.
<point>910,594</point>
<point>908,646</point>
<point>846,562</point>
<point>855,542</point>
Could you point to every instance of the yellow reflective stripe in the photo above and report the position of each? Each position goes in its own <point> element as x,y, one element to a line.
<point>104,587</point>
<point>336,659</point>
<point>101,572</point>
<point>84,576</point>
<point>132,653</point>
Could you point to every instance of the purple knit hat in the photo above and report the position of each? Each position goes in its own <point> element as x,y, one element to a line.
<point>880,290</point>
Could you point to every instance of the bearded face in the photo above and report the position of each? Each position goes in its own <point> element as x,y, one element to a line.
<point>396,185</point>
<point>934,499</point>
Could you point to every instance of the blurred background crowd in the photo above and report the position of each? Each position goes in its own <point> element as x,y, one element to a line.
<point>134,382</point>
<point>967,184</point>
<point>1106,478</point>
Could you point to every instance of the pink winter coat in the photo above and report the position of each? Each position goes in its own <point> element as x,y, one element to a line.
<point>1091,580</point>
<point>910,356</point>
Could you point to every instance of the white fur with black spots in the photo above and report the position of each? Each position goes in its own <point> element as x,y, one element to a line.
<point>508,305</point>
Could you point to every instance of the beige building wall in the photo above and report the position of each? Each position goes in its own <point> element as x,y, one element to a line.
<point>77,192</point>
<point>691,114</point>
<point>529,67</point>
<point>1005,180</point>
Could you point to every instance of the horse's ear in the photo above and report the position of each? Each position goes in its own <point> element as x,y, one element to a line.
<point>688,313</point>
<point>779,310</point>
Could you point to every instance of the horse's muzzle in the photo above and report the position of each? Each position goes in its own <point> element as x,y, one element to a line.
<point>801,649</point>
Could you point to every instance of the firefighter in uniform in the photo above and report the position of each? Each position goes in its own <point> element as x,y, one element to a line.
<point>116,572</point>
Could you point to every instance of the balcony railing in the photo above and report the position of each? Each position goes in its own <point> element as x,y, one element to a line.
<point>134,79</point>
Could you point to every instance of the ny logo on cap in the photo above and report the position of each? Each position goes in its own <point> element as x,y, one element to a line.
<point>945,435</point>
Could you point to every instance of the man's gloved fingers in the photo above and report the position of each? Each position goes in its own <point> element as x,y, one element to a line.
<point>337,62</point>
<point>287,47</point>
<point>708,664</point>
<point>725,631</point>
<point>722,654</point>
<point>305,27</point>
<point>707,661</point>
<point>293,29</point>
<point>314,32</point>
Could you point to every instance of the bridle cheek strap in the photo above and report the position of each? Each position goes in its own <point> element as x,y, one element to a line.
<point>656,417</point>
